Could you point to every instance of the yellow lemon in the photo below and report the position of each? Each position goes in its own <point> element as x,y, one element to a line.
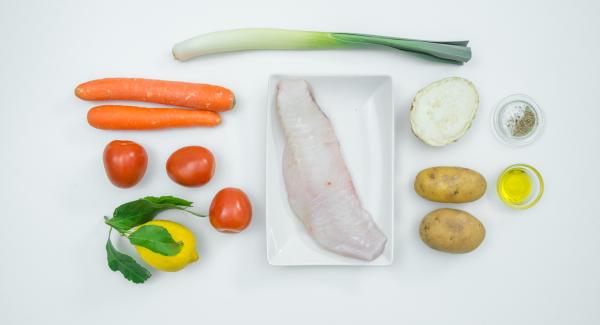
<point>173,263</point>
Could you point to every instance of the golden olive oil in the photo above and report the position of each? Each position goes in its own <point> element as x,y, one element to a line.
<point>515,186</point>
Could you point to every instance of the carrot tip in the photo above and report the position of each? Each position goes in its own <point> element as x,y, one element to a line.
<point>78,92</point>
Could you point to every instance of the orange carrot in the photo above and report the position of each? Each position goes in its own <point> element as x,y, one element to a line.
<point>176,93</point>
<point>117,117</point>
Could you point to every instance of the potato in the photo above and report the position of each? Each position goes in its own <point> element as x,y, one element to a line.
<point>452,231</point>
<point>450,184</point>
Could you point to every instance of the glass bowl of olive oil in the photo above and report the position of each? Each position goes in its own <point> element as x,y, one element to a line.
<point>520,186</point>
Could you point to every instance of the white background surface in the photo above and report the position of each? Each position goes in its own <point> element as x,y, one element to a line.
<point>538,266</point>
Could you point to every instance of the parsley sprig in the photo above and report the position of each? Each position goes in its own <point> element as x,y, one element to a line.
<point>155,238</point>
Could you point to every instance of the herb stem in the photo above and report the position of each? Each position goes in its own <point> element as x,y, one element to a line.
<point>121,232</point>
<point>192,212</point>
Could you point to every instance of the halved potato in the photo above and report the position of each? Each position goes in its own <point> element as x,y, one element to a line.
<point>442,112</point>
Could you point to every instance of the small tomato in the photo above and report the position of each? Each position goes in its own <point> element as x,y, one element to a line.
<point>125,162</point>
<point>191,166</point>
<point>230,210</point>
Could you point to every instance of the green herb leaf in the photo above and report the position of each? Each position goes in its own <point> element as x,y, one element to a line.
<point>140,211</point>
<point>131,214</point>
<point>156,239</point>
<point>168,200</point>
<point>123,263</point>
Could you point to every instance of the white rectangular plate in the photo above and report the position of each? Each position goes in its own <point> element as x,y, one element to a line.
<point>362,113</point>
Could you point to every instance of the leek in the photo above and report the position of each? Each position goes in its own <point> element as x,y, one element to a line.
<point>280,39</point>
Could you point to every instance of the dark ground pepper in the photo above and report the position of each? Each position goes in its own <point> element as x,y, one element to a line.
<point>522,124</point>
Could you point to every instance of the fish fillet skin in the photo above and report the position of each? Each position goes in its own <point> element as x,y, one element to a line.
<point>318,183</point>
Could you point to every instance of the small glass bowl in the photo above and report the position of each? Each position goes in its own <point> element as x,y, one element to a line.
<point>537,188</point>
<point>503,110</point>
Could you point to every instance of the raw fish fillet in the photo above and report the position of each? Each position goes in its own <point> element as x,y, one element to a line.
<point>319,185</point>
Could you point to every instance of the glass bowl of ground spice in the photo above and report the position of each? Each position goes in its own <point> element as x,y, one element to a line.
<point>517,120</point>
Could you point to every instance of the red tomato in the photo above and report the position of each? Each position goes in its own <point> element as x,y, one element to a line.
<point>125,162</point>
<point>191,166</point>
<point>230,210</point>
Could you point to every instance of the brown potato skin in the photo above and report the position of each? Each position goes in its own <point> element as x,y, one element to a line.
<point>450,184</point>
<point>451,231</point>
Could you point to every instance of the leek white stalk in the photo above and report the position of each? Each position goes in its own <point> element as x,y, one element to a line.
<point>281,39</point>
